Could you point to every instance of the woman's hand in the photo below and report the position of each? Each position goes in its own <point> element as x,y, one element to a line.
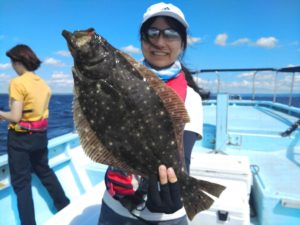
<point>164,197</point>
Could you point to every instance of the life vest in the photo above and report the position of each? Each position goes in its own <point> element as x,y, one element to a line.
<point>30,126</point>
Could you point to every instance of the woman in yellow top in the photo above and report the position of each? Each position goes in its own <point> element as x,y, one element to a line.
<point>27,140</point>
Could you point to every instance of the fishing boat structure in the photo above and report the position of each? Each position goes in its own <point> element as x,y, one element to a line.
<point>250,146</point>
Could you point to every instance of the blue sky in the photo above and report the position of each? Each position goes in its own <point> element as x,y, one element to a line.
<point>222,34</point>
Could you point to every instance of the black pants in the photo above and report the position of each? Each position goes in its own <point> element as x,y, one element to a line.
<point>189,139</point>
<point>26,153</point>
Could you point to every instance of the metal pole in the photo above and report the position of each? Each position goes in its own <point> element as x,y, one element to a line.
<point>198,74</point>
<point>222,122</point>
<point>292,87</point>
<point>275,87</point>
<point>253,85</point>
<point>218,77</point>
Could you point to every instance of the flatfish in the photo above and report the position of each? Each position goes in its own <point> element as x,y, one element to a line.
<point>128,118</point>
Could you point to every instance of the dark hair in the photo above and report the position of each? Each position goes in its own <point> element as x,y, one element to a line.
<point>191,83</point>
<point>173,23</point>
<point>24,55</point>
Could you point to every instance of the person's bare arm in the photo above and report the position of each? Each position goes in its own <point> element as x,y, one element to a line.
<point>15,113</point>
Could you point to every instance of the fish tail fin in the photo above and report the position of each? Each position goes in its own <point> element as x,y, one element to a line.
<point>194,194</point>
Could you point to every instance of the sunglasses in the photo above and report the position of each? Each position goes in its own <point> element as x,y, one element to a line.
<point>168,33</point>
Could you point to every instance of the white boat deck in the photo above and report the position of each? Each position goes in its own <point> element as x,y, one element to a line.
<point>83,210</point>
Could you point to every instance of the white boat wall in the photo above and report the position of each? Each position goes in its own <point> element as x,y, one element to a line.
<point>76,172</point>
<point>250,146</point>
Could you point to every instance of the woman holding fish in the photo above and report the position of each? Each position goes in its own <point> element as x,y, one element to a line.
<point>27,135</point>
<point>163,36</point>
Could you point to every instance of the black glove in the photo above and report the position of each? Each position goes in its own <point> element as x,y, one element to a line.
<point>166,200</point>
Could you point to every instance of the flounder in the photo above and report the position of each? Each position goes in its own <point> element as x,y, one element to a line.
<point>128,118</point>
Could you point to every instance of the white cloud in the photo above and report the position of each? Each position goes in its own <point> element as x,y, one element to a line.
<point>264,42</point>
<point>199,81</point>
<point>221,39</point>
<point>61,82</point>
<point>192,40</point>
<point>63,53</point>
<point>236,84</point>
<point>59,76</point>
<point>131,49</point>
<point>245,75</point>
<point>291,65</point>
<point>5,66</point>
<point>4,76</point>
<point>267,86</point>
<point>241,41</point>
<point>267,42</point>
<point>53,62</point>
<point>264,75</point>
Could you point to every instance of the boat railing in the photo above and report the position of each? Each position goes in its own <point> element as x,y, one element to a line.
<point>290,70</point>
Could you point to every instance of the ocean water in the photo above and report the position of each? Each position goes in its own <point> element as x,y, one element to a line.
<point>61,117</point>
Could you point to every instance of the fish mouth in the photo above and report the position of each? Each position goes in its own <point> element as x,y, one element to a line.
<point>70,39</point>
<point>77,38</point>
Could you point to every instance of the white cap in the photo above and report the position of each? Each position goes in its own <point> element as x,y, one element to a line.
<point>164,9</point>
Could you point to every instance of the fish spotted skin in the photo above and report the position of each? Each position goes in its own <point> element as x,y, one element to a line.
<point>128,118</point>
